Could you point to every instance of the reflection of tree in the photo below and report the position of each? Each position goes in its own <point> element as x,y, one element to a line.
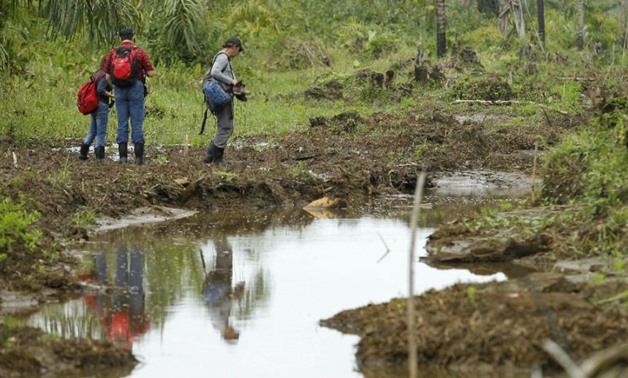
<point>225,298</point>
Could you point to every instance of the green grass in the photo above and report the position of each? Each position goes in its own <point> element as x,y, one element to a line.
<point>45,111</point>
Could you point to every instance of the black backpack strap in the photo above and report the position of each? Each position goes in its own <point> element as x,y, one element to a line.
<point>204,122</point>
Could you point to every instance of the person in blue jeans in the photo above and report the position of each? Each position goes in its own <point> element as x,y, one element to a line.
<point>129,93</point>
<point>98,120</point>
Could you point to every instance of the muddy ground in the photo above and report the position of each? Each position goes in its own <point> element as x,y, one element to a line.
<point>355,160</point>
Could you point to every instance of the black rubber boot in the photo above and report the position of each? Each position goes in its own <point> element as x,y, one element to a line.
<point>210,154</point>
<point>84,151</point>
<point>139,153</point>
<point>100,153</point>
<point>122,150</point>
<point>218,156</point>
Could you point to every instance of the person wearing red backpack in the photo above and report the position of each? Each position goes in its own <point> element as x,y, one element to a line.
<point>98,119</point>
<point>127,67</point>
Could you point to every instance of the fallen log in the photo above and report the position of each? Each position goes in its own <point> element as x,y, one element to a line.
<point>507,102</point>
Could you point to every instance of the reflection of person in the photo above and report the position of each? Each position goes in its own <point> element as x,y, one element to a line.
<point>124,317</point>
<point>98,120</point>
<point>130,94</point>
<point>222,72</point>
<point>218,292</point>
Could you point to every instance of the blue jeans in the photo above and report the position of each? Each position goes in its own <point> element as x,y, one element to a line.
<point>130,104</point>
<point>98,125</point>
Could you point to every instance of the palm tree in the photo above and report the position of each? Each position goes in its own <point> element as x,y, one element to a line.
<point>99,20</point>
<point>441,24</point>
<point>180,21</point>
<point>183,18</point>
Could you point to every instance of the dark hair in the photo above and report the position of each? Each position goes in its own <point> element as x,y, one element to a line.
<point>234,41</point>
<point>126,33</point>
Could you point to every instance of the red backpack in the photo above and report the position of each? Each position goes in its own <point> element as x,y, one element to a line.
<point>123,67</point>
<point>87,96</point>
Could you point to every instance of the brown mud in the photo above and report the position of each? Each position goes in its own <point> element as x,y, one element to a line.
<point>352,160</point>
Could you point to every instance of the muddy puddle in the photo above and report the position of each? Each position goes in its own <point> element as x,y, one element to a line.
<point>232,294</point>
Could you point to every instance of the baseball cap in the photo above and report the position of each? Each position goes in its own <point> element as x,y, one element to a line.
<point>126,33</point>
<point>234,41</point>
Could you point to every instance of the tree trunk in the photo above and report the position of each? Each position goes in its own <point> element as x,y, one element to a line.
<point>580,25</point>
<point>624,26</point>
<point>540,10</point>
<point>441,25</point>
<point>488,6</point>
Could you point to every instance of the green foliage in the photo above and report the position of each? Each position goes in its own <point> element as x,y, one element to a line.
<point>472,295</point>
<point>483,88</point>
<point>16,228</point>
<point>484,38</point>
<point>567,96</point>
<point>590,168</point>
<point>99,20</point>
<point>84,218</point>
<point>59,180</point>
<point>180,31</point>
<point>298,171</point>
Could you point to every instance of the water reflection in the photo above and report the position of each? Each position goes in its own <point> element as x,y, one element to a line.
<point>244,291</point>
<point>218,292</point>
<point>122,314</point>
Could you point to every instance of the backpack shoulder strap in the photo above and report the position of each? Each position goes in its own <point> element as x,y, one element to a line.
<point>95,77</point>
<point>214,61</point>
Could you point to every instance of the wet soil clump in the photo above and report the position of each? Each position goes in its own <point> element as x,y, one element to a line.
<point>31,352</point>
<point>474,327</point>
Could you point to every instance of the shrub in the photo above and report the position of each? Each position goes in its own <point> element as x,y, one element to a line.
<point>16,228</point>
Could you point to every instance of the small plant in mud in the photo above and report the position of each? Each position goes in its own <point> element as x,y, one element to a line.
<point>61,179</point>
<point>472,295</point>
<point>161,159</point>
<point>84,218</point>
<point>16,228</point>
<point>599,279</point>
<point>298,170</point>
<point>421,150</point>
<point>9,343</point>
<point>400,307</point>
<point>222,175</point>
<point>567,96</point>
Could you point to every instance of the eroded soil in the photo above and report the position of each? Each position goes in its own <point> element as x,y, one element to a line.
<point>354,160</point>
<point>474,328</point>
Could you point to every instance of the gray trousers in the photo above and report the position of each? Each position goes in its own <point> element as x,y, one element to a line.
<point>224,125</point>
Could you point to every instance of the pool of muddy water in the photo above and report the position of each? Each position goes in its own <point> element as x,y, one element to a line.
<point>241,295</point>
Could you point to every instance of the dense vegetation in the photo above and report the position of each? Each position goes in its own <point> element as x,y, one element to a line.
<point>48,48</point>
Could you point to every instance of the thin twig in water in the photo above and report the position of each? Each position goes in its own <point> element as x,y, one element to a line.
<point>554,350</point>
<point>385,245</point>
<point>412,352</point>
<point>533,193</point>
<point>200,250</point>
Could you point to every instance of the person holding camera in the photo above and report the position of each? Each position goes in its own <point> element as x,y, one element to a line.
<point>222,72</point>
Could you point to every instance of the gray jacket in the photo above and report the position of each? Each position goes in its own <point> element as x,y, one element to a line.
<point>221,70</point>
